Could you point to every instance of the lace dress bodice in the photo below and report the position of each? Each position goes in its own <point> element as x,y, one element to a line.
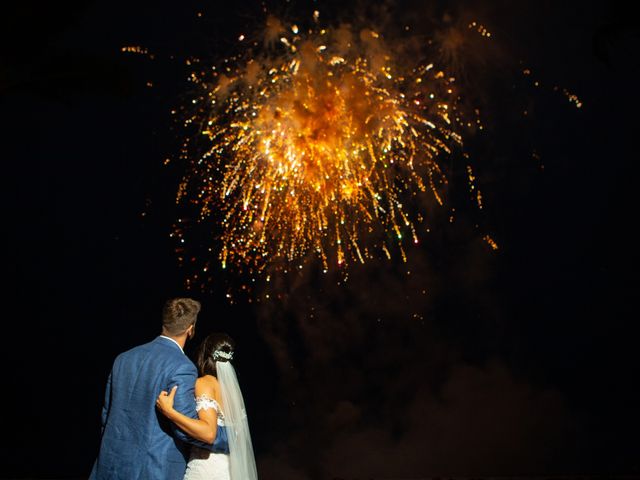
<point>205,402</point>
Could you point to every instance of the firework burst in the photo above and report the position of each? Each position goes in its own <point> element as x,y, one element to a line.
<point>320,143</point>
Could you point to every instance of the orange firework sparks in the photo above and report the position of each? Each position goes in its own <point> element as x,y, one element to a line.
<point>319,144</point>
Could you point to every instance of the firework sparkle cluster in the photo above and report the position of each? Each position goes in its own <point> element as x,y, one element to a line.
<point>318,143</point>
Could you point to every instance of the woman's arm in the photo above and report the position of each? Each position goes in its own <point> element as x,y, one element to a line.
<point>204,428</point>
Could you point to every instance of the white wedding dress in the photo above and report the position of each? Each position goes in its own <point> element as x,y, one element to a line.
<point>203,464</point>
<point>240,463</point>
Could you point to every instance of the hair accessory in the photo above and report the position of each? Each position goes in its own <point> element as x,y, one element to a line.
<point>220,354</point>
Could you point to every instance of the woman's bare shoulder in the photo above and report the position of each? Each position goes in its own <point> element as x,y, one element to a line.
<point>208,380</point>
<point>207,384</point>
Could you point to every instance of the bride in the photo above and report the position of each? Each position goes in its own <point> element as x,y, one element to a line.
<point>221,416</point>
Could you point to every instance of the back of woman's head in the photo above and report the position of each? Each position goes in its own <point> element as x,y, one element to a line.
<point>217,347</point>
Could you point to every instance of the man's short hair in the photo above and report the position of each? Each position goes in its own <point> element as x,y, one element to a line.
<point>179,314</point>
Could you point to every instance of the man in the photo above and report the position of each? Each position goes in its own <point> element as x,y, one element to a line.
<point>138,442</point>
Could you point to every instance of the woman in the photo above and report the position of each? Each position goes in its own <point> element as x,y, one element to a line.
<point>221,412</point>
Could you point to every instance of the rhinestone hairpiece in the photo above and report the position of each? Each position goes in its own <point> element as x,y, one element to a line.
<point>220,354</point>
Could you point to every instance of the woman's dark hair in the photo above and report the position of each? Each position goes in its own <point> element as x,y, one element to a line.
<point>215,342</point>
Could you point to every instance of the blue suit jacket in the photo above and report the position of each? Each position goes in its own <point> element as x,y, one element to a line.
<point>138,442</point>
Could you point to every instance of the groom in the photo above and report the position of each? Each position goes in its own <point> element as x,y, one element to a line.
<point>137,442</point>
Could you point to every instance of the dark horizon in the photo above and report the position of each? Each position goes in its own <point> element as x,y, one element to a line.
<point>518,362</point>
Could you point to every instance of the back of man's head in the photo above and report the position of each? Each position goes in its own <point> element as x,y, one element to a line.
<point>179,314</point>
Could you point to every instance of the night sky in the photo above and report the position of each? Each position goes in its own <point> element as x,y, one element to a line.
<point>463,361</point>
